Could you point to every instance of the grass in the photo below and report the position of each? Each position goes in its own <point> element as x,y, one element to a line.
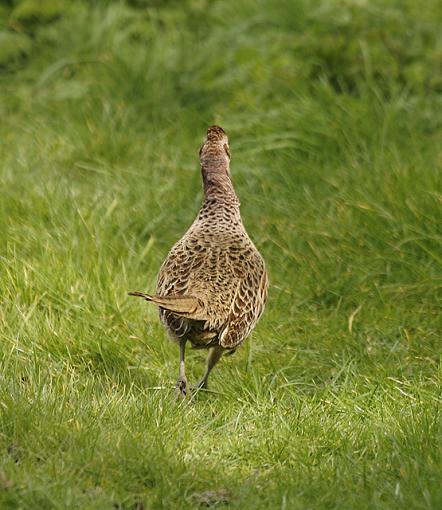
<point>333,110</point>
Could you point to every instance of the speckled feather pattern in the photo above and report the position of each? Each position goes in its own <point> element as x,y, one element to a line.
<point>216,262</point>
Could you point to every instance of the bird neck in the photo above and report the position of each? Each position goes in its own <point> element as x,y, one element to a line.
<point>217,182</point>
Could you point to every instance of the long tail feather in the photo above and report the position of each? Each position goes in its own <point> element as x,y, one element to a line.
<point>187,306</point>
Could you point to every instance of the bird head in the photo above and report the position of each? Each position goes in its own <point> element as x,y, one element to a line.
<point>215,149</point>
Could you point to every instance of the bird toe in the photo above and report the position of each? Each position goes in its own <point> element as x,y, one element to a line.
<point>181,388</point>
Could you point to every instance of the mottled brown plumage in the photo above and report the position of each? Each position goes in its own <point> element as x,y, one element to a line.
<point>212,287</point>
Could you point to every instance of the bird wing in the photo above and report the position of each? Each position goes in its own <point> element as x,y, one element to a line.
<point>175,279</point>
<point>174,274</point>
<point>247,306</point>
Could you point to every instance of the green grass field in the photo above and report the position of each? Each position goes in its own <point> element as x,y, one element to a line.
<point>333,109</point>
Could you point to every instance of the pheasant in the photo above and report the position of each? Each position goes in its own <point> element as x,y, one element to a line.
<point>212,286</point>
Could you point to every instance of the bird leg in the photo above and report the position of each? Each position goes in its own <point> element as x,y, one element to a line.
<point>181,384</point>
<point>213,357</point>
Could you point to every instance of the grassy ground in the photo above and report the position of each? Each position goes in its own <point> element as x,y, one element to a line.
<point>333,110</point>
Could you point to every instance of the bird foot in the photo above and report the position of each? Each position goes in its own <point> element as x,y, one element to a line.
<point>181,388</point>
<point>200,385</point>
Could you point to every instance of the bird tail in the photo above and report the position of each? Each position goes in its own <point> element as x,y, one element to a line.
<point>187,306</point>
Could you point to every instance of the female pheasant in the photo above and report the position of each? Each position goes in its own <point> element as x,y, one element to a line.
<point>212,287</point>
